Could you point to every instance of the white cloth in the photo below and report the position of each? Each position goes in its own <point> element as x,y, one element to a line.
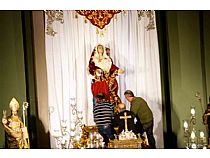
<point>133,49</point>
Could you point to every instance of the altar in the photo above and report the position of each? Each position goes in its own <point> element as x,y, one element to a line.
<point>126,144</point>
<point>91,139</point>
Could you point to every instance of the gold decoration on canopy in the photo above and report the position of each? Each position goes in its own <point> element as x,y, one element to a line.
<point>53,15</point>
<point>149,14</point>
<point>99,18</point>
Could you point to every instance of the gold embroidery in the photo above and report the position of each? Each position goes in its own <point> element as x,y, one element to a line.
<point>99,18</point>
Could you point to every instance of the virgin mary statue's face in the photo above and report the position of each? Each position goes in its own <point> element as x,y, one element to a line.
<point>100,49</point>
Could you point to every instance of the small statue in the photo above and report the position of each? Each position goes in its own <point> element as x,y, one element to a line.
<point>206,119</point>
<point>16,131</point>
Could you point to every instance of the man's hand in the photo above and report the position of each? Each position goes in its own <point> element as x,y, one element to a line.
<point>120,71</point>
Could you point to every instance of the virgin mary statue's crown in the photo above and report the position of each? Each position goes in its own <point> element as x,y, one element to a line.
<point>14,105</point>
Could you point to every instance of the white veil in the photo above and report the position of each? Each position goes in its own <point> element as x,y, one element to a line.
<point>105,63</point>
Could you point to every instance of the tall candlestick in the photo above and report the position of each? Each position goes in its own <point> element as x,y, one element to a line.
<point>72,126</point>
<point>185,124</point>
<point>201,134</point>
<point>192,135</point>
<point>192,111</point>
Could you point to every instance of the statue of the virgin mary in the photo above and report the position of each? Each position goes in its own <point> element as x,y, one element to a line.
<point>104,74</point>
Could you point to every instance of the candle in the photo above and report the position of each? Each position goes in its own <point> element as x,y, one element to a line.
<point>91,136</point>
<point>91,145</point>
<point>101,139</point>
<point>201,134</point>
<point>97,136</point>
<point>192,135</point>
<point>94,134</point>
<point>192,111</point>
<point>63,141</point>
<point>72,126</point>
<point>185,124</point>
<point>97,145</point>
<point>103,144</point>
<point>194,146</point>
<point>77,138</point>
<point>72,133</point>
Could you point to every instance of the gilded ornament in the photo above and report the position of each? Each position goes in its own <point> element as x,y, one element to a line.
<point>150,14</point>
<point>53,15</point>
<point>99,18</point>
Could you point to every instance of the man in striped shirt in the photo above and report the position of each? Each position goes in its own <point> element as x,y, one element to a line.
<point>103,113</point>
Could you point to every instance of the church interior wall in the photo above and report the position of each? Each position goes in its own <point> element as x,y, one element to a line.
<point>186,70</point>
<point>186,75</point>
<point>12,66</point>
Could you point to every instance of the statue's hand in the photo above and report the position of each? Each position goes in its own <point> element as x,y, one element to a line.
<point>4,121</point>
<point>120,71</point>
<point>98,72</point>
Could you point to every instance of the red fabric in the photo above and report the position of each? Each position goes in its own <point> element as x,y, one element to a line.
<point>99,18</point>
<point>92,67</point>
<point>113,68</point>
<point>100,87</point>
<point>116,86</point>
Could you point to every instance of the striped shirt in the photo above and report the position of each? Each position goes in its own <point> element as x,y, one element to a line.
<point>103,113</point>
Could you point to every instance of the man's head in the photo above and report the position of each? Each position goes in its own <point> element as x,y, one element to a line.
<point>129,95</point>
<point>100,97</point>
<point>121,107</point>
<point>108,51</point>
<point>208,106</point>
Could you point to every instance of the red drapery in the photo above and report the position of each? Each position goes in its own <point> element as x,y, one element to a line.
<point>99,18</point>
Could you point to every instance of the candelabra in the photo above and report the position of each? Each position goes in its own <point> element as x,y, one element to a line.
<point>192,141</point>
<point>80,136</point>
<point>95,141</point>
<point>62,138</point>
<point>75,126</point>
<point>91,138</point>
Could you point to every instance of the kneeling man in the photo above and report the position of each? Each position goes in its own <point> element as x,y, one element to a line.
<point>124,120</point>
